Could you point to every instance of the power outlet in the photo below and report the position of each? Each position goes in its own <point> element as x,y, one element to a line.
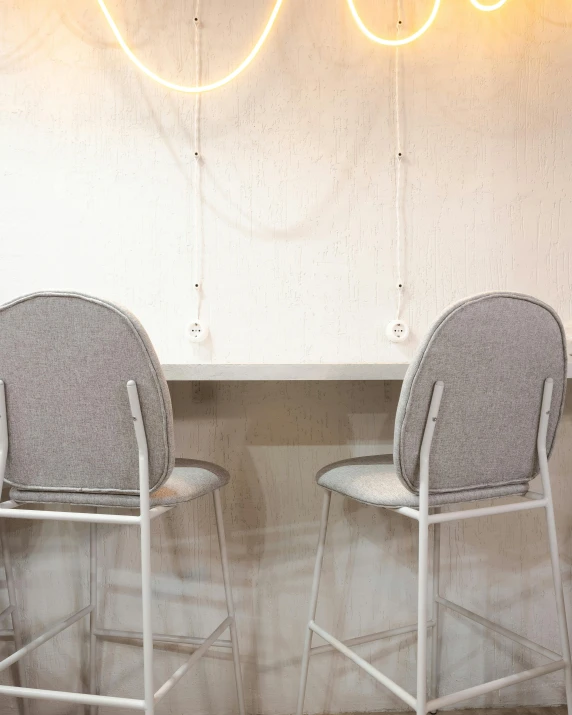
<point>197,331</point>
<point>397,331</point>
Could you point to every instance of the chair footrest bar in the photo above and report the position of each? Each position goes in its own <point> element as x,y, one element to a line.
<point>50,633</point>
<point>499,629</point>
<point>197,655</point>
<point>47,515</point>
<point>81,698</point>
<point>477,690</point>
<point>364,665</point>
<point>486,511</point>
<point>370,638</point>
<point>159,638</point>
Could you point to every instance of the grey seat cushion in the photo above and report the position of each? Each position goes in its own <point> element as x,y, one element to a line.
<point>189,479</point>
<point>374,480</point>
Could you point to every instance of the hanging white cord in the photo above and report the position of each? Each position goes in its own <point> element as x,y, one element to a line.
<point>197,257</point>
<point>398,162</point>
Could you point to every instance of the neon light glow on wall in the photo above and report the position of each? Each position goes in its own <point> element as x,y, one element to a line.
<point>189,89</point>
<point>266,32</point>
<point>402,40</point>
<point>487,8</point>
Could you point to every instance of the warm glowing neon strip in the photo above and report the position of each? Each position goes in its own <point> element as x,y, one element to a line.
<point>181,88</point>
<point>487,8</point>
<point>394,43</point>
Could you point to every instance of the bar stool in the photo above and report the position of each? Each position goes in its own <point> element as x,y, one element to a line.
<point>476,419</point>
<point>86,419</point>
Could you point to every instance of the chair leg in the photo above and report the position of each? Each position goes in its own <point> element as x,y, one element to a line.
<point>229,600</point>
<point>146,607</point>
<point>93,615</point>
<point>559,592</point>
<point>16,623</point>
<point>313,601</point>
<point>422,609</point>
<point>436,631</point>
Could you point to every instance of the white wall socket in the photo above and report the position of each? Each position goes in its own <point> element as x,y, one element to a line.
<point>197,331</point>
<point>397,331</point>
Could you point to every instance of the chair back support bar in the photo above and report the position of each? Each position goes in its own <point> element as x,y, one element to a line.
<point>65,360</point>
<point>493,352</point>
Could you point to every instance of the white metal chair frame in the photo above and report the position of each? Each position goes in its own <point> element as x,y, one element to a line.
<point>421,703</point>
<point>9,509</point>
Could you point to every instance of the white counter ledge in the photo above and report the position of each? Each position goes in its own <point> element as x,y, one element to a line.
<point>300,371</point>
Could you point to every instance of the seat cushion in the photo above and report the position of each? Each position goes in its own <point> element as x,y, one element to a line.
<point>373,480</point>
<point>189,479</point>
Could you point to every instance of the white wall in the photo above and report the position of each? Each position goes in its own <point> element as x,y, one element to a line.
<point>97,164</point>
<point>95,172</point>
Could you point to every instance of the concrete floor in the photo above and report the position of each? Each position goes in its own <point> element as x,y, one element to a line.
<point>557,710</point>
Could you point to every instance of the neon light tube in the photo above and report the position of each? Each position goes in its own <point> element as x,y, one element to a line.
<point>182,88</point>
<point>394,43</point>
<point>487,8</point>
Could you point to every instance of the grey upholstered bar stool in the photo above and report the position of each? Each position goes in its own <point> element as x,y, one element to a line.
<point>476,419</point>
<point>89,422</point>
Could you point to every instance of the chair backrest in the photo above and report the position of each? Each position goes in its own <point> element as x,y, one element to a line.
<point>493,352</point>
<point>65,359</point>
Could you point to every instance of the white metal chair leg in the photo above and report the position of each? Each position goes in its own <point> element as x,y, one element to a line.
<point>436,613</point>
<point>560,608</point>
<point>145,533</point>
<point>422,612</point>
<point>422,585</point>
<point>552,539</point>
<point>313,601</point>
<point>16,623</point>
<point>93,709</point>
<point>229,600</point>
<point>149,693</point>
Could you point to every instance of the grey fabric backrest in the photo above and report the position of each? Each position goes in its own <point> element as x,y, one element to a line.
<point>65,359</point>
<point>493,352</point>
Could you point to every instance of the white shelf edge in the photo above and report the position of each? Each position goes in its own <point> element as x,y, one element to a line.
<point>208,372</point>
<point>301,371</point>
